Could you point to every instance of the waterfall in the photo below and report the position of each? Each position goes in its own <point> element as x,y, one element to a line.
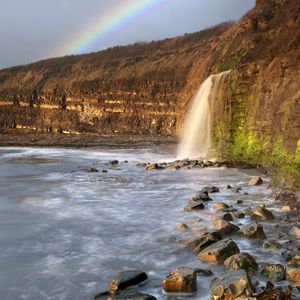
<point>197,135</point>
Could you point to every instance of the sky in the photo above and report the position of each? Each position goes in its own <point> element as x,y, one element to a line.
<point>31,30</point>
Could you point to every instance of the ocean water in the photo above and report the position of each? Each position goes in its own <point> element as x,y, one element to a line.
<point>64,232</point>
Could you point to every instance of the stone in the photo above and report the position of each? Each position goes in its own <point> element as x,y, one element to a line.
<point>210,189</point>
<point>155,166</point>
<point>113,162</point>
<point>141,165</point>
<point>182,281</point>
<point>293,269</point>
<point>243,261</point>
<point>253,231</point>
<point>225,227</point>
<point>173,168</point>
<point>199,205</point>
<point>123,295</point>
<point>274,272</point>
<point>203,196</point>
<point>92,170</point>
<point>226,216</point>
<point>220,206</point>
<point>295,231</point>
<point>231,285</point>
<point>256,180</point>
<point>272,245</point>
<point>261,213</point>
<point>206,240</point>
<point>287,208</point>
<point>239,202</point>
<point>218,252</point>
<point>126,279</point>
<point>203,272</point>
<point>104,171</point>
<point>238,214</point>
<point>208,164</point>
<point>182,227</point>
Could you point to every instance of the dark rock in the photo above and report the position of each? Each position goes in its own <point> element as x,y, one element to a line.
<point>203,196</point>
<point>220,206</point>
<point>219,251</point>
<point>208,164</point>
<point>113,162</point>
<point>243,261</point>
<point>272,245</point>
<point>226,216</point>
<point>274,272</point>
<point>210,189</point>
<point>239,201</point>
<point>126,279</point>
<point>261,213</point>
<point>91,170</point>
<point>141,165</point>
<point>182,281</point>
<point>231,285</point>
<point>228,187</point>
<point>256,180</point>
<point>203,272</point>
<point>104,171</point>
<point>199,205</point>
<point>123,295</point>
<point>293,269</point>
<point>225,227</point>
<point>206,240</point>
<point>238,214</point>
<point>253,231</point>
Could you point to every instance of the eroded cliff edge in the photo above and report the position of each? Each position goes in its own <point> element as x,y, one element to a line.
<point>146,88</point>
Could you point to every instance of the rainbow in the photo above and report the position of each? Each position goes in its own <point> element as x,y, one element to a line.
<point>119,16</point>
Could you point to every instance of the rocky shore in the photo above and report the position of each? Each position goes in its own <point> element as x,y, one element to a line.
<point>232,273</point>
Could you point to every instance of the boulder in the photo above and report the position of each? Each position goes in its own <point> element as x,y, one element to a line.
<point>243,261</point>
<point>218,252</point>
<point>203,272</point>
<point>210,189</point>
<point>123,295</point>
<point>225,227</point>
<point>261,213</point>
<point>155,166</point>
<point>199,205</point>
<point>126,279</point>
<point>272,245</point>
<point>113,162</point>
<point>226,216</point>
<point>293,269</point>
<point>238,214</point>
<point>256,180</point>
<point>220,206</point>
<point>182,281</point>
<point>253,231</point>
<point>203,196</point>
<point>206,240</point>
<point>295,231</point>
<point>274,272</point>
<point>231,285</point>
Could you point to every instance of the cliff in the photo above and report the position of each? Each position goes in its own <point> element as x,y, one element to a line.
<point>147,87</point>
<point>132,89</point>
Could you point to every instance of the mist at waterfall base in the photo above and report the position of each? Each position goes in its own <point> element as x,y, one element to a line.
<point>65,232</point>
<point>197,139</point>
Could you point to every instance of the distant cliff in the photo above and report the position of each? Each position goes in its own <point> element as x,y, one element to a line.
<point>128,89</point>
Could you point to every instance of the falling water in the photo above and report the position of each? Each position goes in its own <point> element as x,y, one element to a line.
<point>197,136</point>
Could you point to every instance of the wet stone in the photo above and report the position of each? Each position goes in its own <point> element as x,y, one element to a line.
<point>231,285</point>
<point>203,272</point>
<point>219,251</point>
<point>208,164</point>
<point>92,170</point>
<point>206,240</point>
<point>253,231</point>
<point>113,162</point>
<point>261,213</point>
<point>182,281</point>
<point>274,272</point>
<point>220,206</point>
<point>141,165</point>
<point>243,261</point>
<point>126,279</point>
<point>226,217</point>
<point>238,214</point>
<point>182,227</point>
<point>256,180</point>
<point>225,227</point>
<point>151,167</point>
<point>272,245</point>
<point>210,189</point>
<point>203,196</point>
<point>293,269</point>
<point>199,205</point>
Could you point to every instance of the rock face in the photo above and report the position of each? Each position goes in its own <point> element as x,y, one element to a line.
<point>231,285</point>
<point>253,231</point>
<point>126,279</point>
<point>219,252</point>
<point>182,281</point>
<point>261,213</point>
<point>293,269</point>
<point>274,272</point>
<point>243,261</point>
<point>206,240</point>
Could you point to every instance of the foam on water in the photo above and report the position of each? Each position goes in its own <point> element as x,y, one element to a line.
<point>65,232</point>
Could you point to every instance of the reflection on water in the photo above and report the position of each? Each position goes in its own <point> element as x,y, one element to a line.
<point>65,232</point>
